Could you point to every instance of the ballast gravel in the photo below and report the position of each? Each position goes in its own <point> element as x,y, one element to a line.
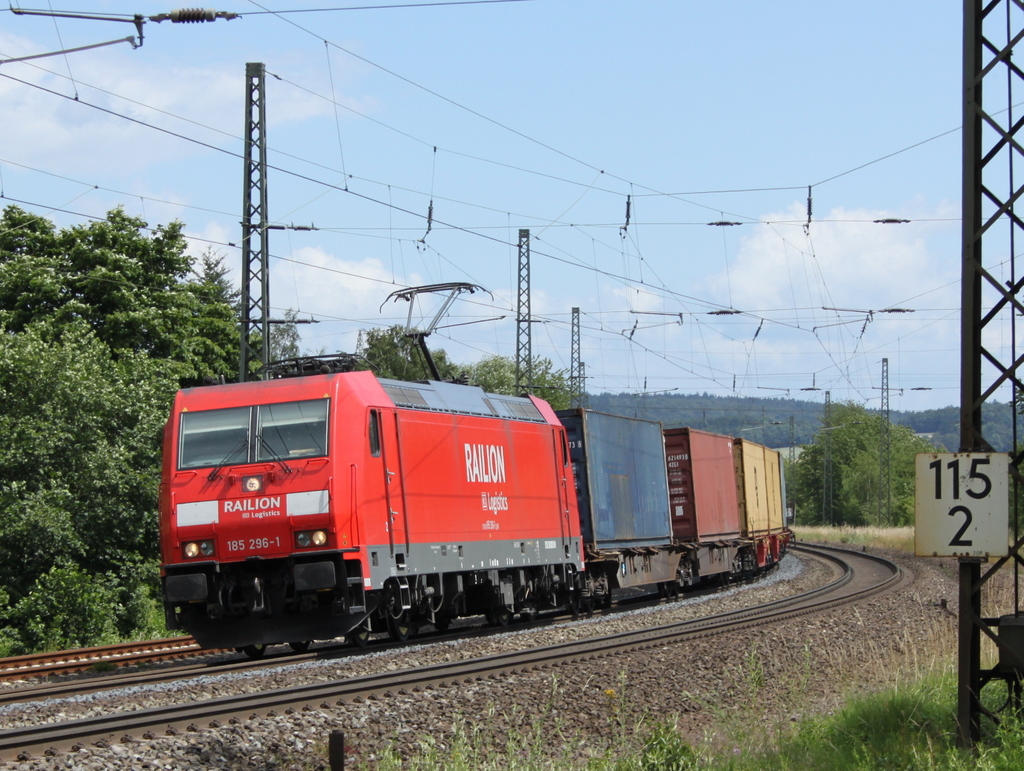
<point>715,687</point>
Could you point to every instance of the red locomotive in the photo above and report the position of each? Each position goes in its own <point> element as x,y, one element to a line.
<point>308,508</point>
<point>305,508</point>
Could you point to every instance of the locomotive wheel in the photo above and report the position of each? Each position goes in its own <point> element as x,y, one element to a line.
<point>299,647</point>
<point>255,651</point>
<point>359,637</point>
<point>401,627</point>
<point>442,623</point>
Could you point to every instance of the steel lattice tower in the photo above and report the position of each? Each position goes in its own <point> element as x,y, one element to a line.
<point>255,324</point>
<point>575,379</point>
<point>524,349</point>
<point>826,485</point>
<point>885,454</point>
<point>990,303</point>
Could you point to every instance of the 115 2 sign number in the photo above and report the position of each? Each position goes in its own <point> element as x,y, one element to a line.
<point>961,505</point>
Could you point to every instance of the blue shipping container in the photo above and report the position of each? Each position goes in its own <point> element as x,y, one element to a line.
<point>621,479</point>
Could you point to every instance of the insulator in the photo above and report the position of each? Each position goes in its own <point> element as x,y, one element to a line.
<point>193,15</point>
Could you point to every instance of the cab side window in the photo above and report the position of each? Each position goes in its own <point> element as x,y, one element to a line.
<point>375,433</point>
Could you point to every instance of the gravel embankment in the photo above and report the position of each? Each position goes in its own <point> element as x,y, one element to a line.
<point>785,671</point>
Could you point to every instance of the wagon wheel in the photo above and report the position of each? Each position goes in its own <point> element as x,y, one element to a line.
<point>587,605</point>
<point>360,636</point>
<point>573,605</point>
<point>500,616</point>
<point>300,647</point>
<point>255,651</point>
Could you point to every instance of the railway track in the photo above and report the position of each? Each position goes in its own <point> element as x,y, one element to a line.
<point>82,659</point>
<point>859,576</point>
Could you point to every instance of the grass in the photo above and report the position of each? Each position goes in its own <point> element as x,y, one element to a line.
<point>901,538</point>
<point>910,726</point>
<point>909,729</point>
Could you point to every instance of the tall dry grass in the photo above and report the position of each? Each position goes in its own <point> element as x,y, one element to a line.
<point>900,538</point>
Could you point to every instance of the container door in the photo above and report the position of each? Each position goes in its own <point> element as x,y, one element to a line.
<point>394,487</point>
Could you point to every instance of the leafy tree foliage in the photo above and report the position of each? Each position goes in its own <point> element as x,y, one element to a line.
<point>99,325</point>
<point>390,354</point>
<point>79,467</point>
<point>853,438</point>
<point>497,374</point>
<point>136,292</point>
<point>68,607</point>
<point>284,338</point>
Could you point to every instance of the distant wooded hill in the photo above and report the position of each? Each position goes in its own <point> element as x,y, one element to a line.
<point>768,420</point>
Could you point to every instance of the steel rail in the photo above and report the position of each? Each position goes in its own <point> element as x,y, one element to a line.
<point>62,662</point>
<point>103,681</point>
<point>148,723</point>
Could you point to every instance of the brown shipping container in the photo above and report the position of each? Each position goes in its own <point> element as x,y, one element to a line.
<point>702,485</point>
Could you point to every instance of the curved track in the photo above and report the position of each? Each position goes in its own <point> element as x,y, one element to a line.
<point>858,576</point>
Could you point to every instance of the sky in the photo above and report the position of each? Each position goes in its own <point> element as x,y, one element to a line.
<point>416,142</point>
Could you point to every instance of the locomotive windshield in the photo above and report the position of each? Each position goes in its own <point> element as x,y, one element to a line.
<point>257,434</point>
<point>292,430</point>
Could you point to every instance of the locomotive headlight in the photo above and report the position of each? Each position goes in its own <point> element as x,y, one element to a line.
<point>193,549</point>
<point>307,538</point>
<point>253,484</point>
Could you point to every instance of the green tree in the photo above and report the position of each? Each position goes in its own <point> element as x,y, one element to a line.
<point>67,607</point>
<point>284,338</point>
<point>79,465</point>
<point>137,292</point>
<point>853,438</point>
<point>391,354</point>
<point>497,374</point>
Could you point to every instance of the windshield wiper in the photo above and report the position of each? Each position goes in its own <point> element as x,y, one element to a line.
<point>239,445</point>
<point>274,458</point>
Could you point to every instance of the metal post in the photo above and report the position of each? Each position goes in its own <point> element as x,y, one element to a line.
<point>575,382</point>
<point>336,750</point>
<point>989,303</point>
<point>885,454</point>
<point>826,487</point>
<point>255,327</point>
<point>524,352</point>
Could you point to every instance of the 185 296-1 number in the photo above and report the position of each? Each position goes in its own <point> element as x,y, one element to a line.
<point>253,544</point>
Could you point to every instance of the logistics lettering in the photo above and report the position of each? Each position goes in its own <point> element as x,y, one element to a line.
<point>485,463</point>
<point>255,508</point>
<point>494,502</point>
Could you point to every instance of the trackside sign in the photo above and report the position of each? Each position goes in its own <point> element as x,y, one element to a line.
<point>961,505</point>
